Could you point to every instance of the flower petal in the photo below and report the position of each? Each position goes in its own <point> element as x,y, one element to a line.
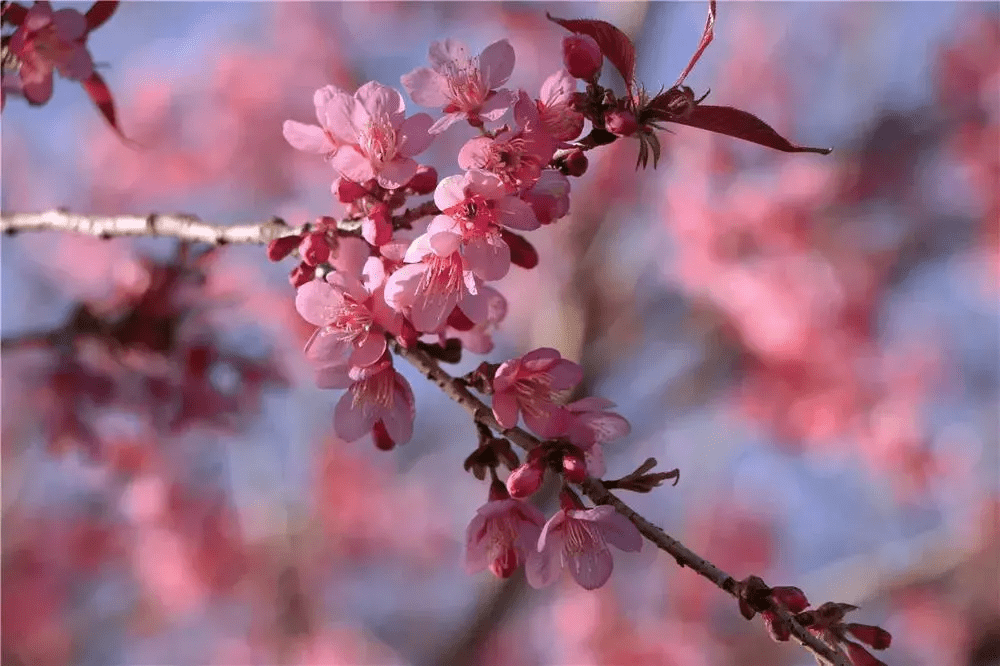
<point>496,63</point>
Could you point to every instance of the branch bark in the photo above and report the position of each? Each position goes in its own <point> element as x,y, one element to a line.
<point>182,227</point>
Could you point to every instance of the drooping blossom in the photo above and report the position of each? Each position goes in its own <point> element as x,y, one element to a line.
<point>578,539</point>
<point>591,426</point>
<point>466,87</point>
<point>376,138</point>
<point>320,138</point>
<point>535,385</point>
<point>380,402</point>
<point>516,157</point>
<point>503,535</point>
<point>48,40</point>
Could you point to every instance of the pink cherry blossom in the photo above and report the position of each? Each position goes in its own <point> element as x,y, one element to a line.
<point>48,40</point>
<point>376,138</point>
<point>517,158</point>
<point>379,402</point>
<point>312,138</point>
<point>503,535</point>
<point>555,107</point>
<point>535,384</point>
<point>489,309</point>
<point>465,86</point>
<point>578,539</point>
<point>591,426</point>
<point>549,197</point>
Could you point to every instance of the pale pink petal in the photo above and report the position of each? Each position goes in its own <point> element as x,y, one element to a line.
<point>485,183</point>
<point>565,374</point>
<point>551,535</point>
<point>496,63</point>
<point>401,287</point>
<point>398,421</point>
<point>558,88</point>
<point>541,357</point>
<point>621,533</point>
<point>308,138</point>
<point>370,350</point>
<point>379,99</point>
<point>551,422</point>
<point>476,548</point>
<point>414,135</point>
<point>445,243</point>
<point>326,348</point>
<point>517,214</point>
<point>351,421</point>
<point>474,153</point>
<point>317,302</point>
<point>497,105</point>
<point>353,165</point>
<point>418,249</point>
<point>39,90</point>
<point>591,403</point>
<point>426,87</point>
<point>397,173</point>
<point>446,121</point>
<point>431,308</point>
<point>477,307</point>
<point>605,426</point>
<point>591,568</point>
<point>444,224</point>
<point>335,109</point>
<point>449,192</point>
<point>594,459</point>
<point>334,376</point>
<point>489,261</point>
<point>352,253</point>
<point>79,66</point>
<point>444,53</point>
<point>505,409</point>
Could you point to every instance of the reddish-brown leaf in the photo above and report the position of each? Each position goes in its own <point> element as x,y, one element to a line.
<point>99,92</point>
<point>742,125</point>
<point>706,38</point>
<point>100,12</point>
<point>615,44</point>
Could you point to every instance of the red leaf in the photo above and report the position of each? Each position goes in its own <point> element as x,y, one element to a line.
<point>101,95</point>
<point>14,14</point>
<point>742,125</point>
<point>615,44</point>
<point>100,12</point>
<point>522,253</point>
<point>706,38</point>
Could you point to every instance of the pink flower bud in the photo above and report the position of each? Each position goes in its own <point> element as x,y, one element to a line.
<point>377,227</point>
<point>348,191</point>
<point>620,122</point>
<point>790,597</point>
<point>425,181</point>
<point>525,480</point>
<point>776,627</point>
<point>576,163</point>
<point>279,248</point>
<point>314,249</point>
<point>582,56</point>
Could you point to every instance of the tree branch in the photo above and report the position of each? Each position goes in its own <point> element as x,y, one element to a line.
<point>595,490</point>
<point>180,226</point>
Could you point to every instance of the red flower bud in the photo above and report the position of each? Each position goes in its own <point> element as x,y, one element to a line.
<point>582,56</point>
<point>314,248</point>
<point>860,656</point>
<point>620,122</point>
<point>877,637</point>
<point>348,191</point>
<point>574,468</point>
<point>301,274</point>
<point>381,437</point>
<point>576,163</point>
<point>525,480</point>
<point>279,248</point>
<point>424,181</point>
<point>776,627</point>
<point>377,227</point>
<point>790,597</point>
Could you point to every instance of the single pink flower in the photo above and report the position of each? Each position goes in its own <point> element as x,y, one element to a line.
<point>549,197</point>
<point>465,86</point>
<point>320,138</point>
<point>555,107</point>
<point>590,426</point>
<point>380,402</point>
<point>48,40</point>
<point>517,158</point>
<point>376,138</point>
<point>535,384</point>
<point>476,335</point>
<point>502,536</point>
<point>578,539</point>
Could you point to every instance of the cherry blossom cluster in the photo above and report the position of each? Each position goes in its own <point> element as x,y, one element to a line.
<point>45,41</point>
<point>375,277</point>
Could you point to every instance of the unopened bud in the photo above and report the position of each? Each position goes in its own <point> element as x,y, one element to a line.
<point>582,56</point>
<point>314,249</point>
<point>574,468</point>
<point>424,181</point>
<point>525,480</point>
<point>576,163</point>
<point>301,274</point>
<point>348,191</point>
<point>279,248</point>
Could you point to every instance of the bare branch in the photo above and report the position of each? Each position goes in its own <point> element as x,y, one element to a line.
<point>595,490</point>
<point>180,226</point>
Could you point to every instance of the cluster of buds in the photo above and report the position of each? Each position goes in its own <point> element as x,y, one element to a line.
<point>826,622</point>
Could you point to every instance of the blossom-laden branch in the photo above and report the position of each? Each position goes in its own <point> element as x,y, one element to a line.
<point>596,491</point>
